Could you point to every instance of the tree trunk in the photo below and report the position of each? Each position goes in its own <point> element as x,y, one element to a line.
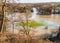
<point>2,17</point>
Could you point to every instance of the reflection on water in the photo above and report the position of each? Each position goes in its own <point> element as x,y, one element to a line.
<point>34,14</point>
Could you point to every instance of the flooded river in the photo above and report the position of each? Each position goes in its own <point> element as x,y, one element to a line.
<point>48,19</point>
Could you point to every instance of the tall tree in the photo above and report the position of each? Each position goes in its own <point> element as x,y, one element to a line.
<point>2,18</point>
<point>3,6</point>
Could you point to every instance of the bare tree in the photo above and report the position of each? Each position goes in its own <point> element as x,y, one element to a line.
<point>3,5</point>
<point>3,11</point>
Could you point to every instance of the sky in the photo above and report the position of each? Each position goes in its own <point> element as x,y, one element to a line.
<point>36,1</point>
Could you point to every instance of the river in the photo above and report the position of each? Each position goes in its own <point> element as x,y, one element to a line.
<point>14,18</point>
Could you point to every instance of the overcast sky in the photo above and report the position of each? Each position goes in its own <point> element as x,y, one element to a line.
<point>36,1</point>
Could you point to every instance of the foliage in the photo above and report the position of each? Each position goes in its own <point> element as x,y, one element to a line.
<point>31,24</point>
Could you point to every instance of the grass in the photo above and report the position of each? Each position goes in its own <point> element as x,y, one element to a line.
<point>15,38</point>
<point>31,24</point>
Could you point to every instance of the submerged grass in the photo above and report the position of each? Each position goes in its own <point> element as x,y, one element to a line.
<point>31,24</point>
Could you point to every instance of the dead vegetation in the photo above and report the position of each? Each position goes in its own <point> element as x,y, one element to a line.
<point>16,38</point>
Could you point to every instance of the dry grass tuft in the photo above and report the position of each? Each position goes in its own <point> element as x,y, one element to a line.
<point>16,38</point>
